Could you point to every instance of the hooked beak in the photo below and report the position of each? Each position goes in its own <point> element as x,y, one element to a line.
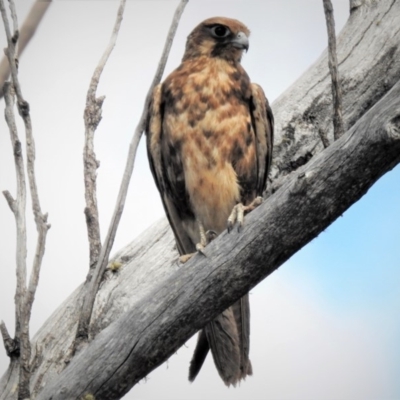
<point>241,41</point>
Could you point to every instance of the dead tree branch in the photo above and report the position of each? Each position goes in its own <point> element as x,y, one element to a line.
<point>25,295</point>
<point>26,33</point>
<point>338,128</point>
<point>18,207</point>
<point>92,117</point>
<point>94,283</point>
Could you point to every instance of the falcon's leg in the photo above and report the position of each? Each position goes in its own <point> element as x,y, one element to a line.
<point>205,238</point>
<point>186,257</point>
<point>238,212</point>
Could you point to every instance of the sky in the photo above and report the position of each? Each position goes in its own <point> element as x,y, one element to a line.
<point>326,324</point>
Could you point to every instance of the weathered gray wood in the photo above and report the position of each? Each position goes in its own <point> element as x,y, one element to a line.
<point>159,323</point>
<point>369,62</point>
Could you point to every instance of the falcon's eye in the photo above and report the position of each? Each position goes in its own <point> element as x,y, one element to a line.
<point>220,31</point>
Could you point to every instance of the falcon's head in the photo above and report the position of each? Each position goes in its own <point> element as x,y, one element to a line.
<point>218,37</point>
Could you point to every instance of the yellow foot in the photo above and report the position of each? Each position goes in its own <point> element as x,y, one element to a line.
<point>238,212</point>
<point>186,257</point>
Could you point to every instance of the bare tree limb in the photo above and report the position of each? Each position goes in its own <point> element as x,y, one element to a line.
<point>23,107</point>
<point>92,118</point>
<point>14,18</point>
<point>24,296</point>
<point>26,33</point>
<point>338,128</point>
<point>94,283</point>
<point>18,207</point>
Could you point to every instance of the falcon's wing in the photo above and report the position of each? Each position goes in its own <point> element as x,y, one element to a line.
<point>164,172</point>
<point>263,125</point>
<point>232,356</point>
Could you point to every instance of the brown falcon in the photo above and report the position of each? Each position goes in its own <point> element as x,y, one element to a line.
<point>209,141</point>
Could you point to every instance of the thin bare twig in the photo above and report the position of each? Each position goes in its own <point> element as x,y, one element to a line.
<point>24,296</point>
<point>10,200</point>
<point>26,33</point>
<point>18,207</point>
<point>23,108</point>
<point>90,295</point>
<point>10,344</point>
<point>338,128</point>
<point>92,118</point>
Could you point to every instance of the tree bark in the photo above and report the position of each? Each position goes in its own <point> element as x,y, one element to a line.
<point>151,306</point>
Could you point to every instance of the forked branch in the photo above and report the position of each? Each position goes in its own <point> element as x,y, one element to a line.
<point>24,295</point>
<point>21,342</point>
<point>94,283</point>
<point>92,117</point>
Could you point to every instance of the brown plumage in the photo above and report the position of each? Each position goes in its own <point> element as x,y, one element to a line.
<point>209,140</point>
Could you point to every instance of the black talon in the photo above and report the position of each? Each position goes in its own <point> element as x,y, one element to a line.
<point>211,235</point>
<point>201,251</point>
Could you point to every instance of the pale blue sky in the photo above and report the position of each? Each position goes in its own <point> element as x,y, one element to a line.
<point>326,324</point>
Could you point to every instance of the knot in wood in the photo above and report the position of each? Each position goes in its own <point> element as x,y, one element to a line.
<point>301,184</point>
<point>393,128</point>
<point>17,149</point>
<point>12,347</point>
<point>298,162</point>
<point>15,37</point>
<point>93,115</point>
<point>23,108</point>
